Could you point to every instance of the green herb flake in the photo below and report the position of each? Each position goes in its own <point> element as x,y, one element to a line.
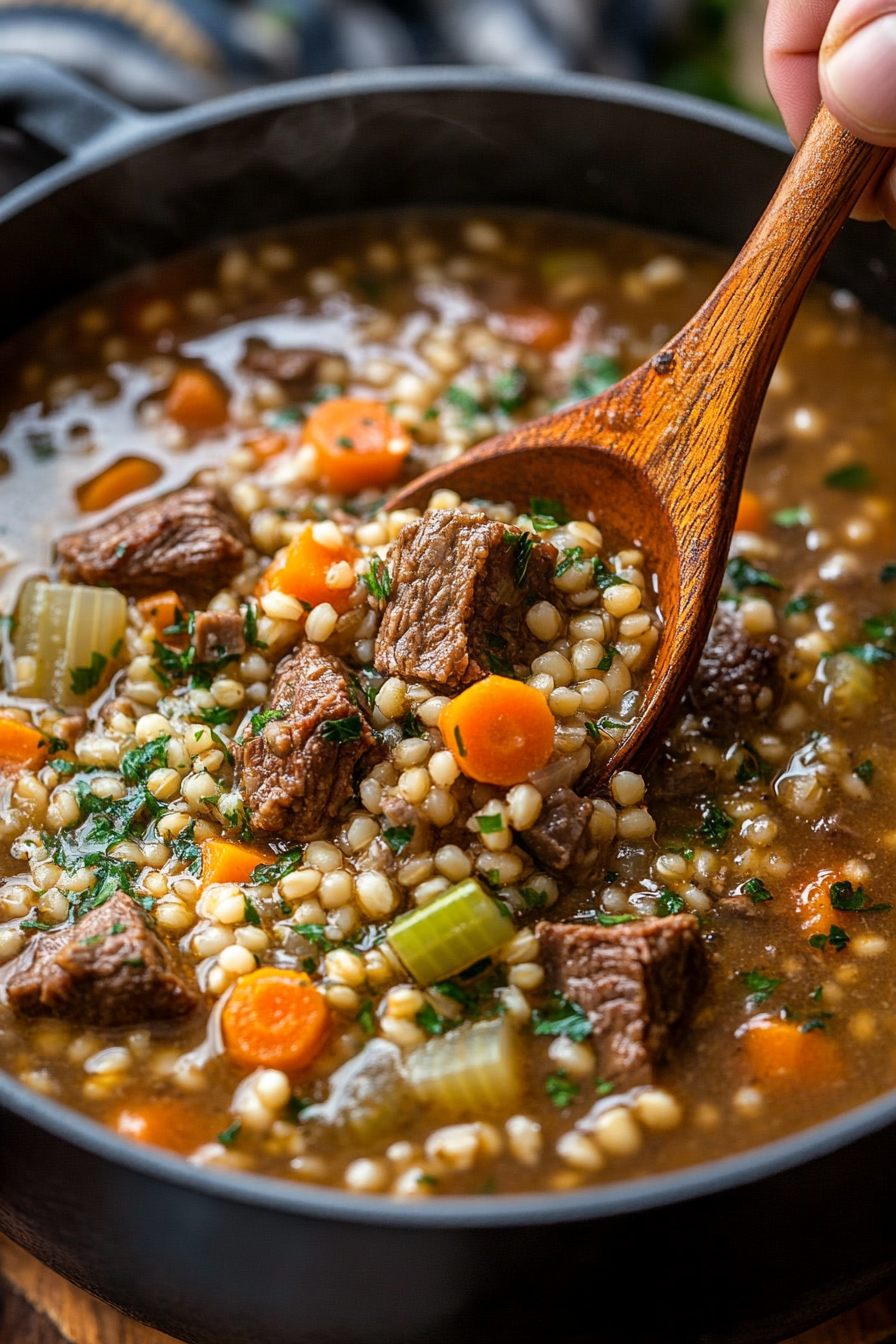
<point>459,740</point>
<point>430,1021</point>
<point>795,517</point>
<point>669,903</point>
<point>560,1089</point>
<point>378,580</point>
<point>602,1087</point>
<point>610,921</point>
<point>888,573</point>
<point>845,897</point>
<point>230,1135</point>
<point>347,729</point>
<point>397,837</point>
<point>836,938</point>
<point>84,679</point>
<point>607,661</point>
<point>532,898</point>
<point>137,765</point>
<point>490,824</point>
<point>865,771</point>
<point>759,987</point>
<point>250,628</point>
<point>315,934</point>
<point>816,993</point>
<point>595,374</point>
<point>854,477</point>
<point>522,544</point>
<point>561,1017</point>
<point>343,441</point>
<point>798,606</point>
<point>741,574</point>
<point>267,874</point>
<point>571,555</point>
<point>716,826</point>
<point>552,509</point>
<point>604,577</point>
<point>219,716</point>
<point>366,1019</point>
<point>508,389</point>
<point>757,891</point>
<point>184,847</point>
<point>250,914</point>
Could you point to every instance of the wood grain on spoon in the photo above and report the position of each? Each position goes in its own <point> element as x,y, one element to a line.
<point>660,457</point>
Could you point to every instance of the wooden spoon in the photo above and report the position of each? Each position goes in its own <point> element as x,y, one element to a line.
<point>659,459</point>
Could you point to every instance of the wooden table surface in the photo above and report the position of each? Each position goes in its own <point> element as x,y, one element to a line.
<point>37,1307</point>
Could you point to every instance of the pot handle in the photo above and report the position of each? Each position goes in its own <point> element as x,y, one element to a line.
<point>57,109</point>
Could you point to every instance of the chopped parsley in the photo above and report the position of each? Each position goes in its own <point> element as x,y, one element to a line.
<point>262,717</point>
<point>522,544</point>
<point>888,573</point>
<point>836,938</point>
<point>219,716</point>
<point>759,987</point>
<point>137,765</point>
<point>230,1135</point>
<point>602,1087</point>
<point>532,898</point>
<point>716,826</point>
<point>595,374</point>
<point>365,1018</point>
<point>490,823</point>
<point>561,1017</point>
<point>378,580</point>
<point>347,729</point>
<point>846,897</point>
<point>607,661</point>
<point>184,847</point>
<point>250,628</point>
<point>265,874</point>
<point>795,517</point>
<point>610,921</point>
<point>570,555</point>
<point>508,389</point>
<point>865,771</point>
<point>412,726</point>
<point>430,1021</point>
<point>250,914</point>
<point>753,767</point>
<point>397,837</point>
<point>550,511</point>
<point>669,903</point>
<point>741,574</point>
<point>854,477</point>
<point>459,740</point>
<point>315,934</point>
<point>757,891</point>
<point>560,1088</point>
<point>463,401</point>
<point>604,577</point>
<point>797,606</point>
<point>84,679</point>
<point>343,441</point>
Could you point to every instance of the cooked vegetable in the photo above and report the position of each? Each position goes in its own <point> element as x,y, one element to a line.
<point>849,682</point>
<point>751,515</point>
<point>165,1122</point>
<point>196,401</point>
<point>358,443</point>
<point>274,1019</point>
<point>367,1095</point>
<point>471,1069</point>
<point>498,730</point>
<point>531,325</point>
<point>784,1053</point>
<point>226,861</point>
<point>124,477</point>
<point>458,928</point>
<point>21,746</point>
<point>302,569</point>
<point>66,639</point>
<point>165,612</point>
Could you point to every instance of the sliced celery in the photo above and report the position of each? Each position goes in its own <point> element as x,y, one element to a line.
<point>67,636</point>
<point>456,929</point>
<point>473,1068</point>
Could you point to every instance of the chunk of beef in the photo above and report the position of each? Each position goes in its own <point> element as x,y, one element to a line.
<point>108,970</point>
<point>739,674</point>
<point>298,771</point>
<point>559,837</point>
<point>188,540</point>
<point>292,366</point>
<point>218,634</point>
<point>636,982</point>
<point>461,586</point>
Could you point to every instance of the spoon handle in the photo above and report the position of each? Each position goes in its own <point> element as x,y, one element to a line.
<point>745,321</point>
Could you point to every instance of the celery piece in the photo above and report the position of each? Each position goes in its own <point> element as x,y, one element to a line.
<point>473,1068</point>
<point>458,928</point>
<point>67,637</point>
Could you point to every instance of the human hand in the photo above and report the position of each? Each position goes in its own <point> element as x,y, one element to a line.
<point>844,52</point>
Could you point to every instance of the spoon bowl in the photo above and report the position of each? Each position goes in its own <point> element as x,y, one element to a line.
<point>659,459</point>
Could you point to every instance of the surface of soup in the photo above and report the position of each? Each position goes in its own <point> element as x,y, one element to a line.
<point>294,876</point>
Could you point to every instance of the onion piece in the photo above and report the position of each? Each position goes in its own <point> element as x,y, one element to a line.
<point>562,773</point>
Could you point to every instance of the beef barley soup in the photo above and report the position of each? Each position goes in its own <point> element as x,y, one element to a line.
<point>299,870</point>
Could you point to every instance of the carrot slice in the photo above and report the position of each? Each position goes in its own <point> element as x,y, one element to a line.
<point>21,746</point>
<point>303,568</point>
<point>275,1019</point>
<point>358,443</point>
<point>122,478</point>
<point>751,515</point>
<point>164,611</point>
<point>813,901</point>
<point>196,400</point>
<point>226,861</point>
<point>537,327</point>
<point>780,1053</point>
<point>165,1123</point>
<point>498,730</point>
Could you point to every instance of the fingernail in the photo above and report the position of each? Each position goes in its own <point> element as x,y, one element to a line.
<point>860,75</point>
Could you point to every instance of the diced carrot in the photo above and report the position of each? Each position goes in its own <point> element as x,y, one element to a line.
<point>275,1019</point>
<point>358,443</point>
<point>750,513</point>
<point>813,902</point>
<point>303,568</point>
<point>164,611</point>
<point>164,1122</point>
<point>21,746</point>
<point>780,1053</point>
<point>270,443</point>
<point>122,478</point>
<point>498,730</point>
<point>196,401</point>
<point>226,861</point>
<point>537,327</point>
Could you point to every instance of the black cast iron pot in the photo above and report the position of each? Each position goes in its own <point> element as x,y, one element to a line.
<point>752,1248</point>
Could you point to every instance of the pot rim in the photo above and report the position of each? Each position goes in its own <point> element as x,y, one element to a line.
<point>133,133</point>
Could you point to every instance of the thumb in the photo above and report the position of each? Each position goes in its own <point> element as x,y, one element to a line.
<point>857,68</point>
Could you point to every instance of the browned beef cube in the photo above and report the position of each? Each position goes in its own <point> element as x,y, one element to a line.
<point>218,634</point>
<point>636,982</point>
<point>461,586</point>
<point>188,540</point>
<point>298,771</point>
<point>108,970</point>
<point>739,674</point>
<point>295,367</point>
<point>559,837</point>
